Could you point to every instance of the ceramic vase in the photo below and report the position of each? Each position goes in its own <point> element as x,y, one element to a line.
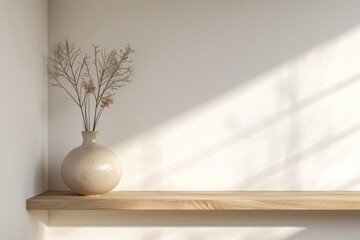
<point>91,169</point>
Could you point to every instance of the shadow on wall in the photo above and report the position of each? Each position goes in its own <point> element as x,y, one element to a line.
<point>291,160</point>
<point>326,232</point>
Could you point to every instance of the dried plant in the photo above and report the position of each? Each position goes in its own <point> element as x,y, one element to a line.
<point>92,89</point>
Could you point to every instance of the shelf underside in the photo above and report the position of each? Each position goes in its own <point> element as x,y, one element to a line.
<point>181,200</point>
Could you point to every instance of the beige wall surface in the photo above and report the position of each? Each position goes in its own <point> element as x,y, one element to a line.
<point>227,95</point>
<point>23,121</point>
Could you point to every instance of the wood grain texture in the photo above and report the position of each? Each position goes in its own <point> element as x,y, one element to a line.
<point>181,200</point>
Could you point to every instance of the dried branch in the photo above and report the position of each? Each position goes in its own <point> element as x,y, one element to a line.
<point>111,69</point>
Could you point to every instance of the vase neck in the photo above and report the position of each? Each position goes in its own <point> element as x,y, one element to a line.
<point>90,137</point>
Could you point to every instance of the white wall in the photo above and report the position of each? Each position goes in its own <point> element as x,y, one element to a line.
<point>23,121</point>
<point>227,95</point>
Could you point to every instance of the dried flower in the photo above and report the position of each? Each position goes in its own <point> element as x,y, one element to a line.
<point>106,101</point>
<point>111,70</point>
<point>89,86</point>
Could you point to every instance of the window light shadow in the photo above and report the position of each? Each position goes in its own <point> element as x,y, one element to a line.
<point>244,133</point>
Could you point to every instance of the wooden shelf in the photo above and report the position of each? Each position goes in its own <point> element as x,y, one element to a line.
<point>179,200</point>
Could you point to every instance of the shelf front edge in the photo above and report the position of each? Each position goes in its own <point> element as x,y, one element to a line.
<point>181,200</point>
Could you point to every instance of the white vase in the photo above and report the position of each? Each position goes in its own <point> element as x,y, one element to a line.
<point>91,169</point>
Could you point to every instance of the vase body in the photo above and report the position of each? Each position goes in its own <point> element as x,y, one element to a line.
<point>91,169</point>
